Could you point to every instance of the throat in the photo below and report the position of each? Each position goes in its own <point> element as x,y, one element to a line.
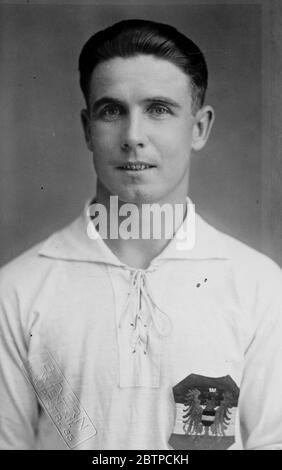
<point>137,234</point>
<point>137,254</point>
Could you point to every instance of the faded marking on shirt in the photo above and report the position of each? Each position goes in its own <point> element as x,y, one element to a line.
<point>58,399</point>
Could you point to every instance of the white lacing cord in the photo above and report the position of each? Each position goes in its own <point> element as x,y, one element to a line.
<point>139,291</point>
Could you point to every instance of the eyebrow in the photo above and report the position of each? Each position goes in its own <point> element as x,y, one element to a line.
<point>164,100</point>
<point>110,100</point>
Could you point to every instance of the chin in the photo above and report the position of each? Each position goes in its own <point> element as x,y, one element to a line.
<point>132,194</point>
<point>138,197</point>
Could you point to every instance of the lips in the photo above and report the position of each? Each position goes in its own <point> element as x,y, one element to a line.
<point>136,166</point>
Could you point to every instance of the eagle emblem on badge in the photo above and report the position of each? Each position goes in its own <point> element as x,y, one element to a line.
<point>211,411</point>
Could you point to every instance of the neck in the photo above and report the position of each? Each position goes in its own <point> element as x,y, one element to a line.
<point>136,233</point>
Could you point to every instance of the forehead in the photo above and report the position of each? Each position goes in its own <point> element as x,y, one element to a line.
<point>139,76</point>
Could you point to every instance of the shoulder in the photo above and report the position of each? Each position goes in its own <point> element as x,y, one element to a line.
<point>21,267</point>
<point>256,278</point>
<point>28,269</point>
<point>211,243</point>
<point>250,262</point>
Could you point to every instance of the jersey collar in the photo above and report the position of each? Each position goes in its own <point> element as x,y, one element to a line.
<point>72,243</point>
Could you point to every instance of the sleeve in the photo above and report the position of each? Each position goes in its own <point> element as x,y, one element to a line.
<point>260,403</point>
<point>18,402</point>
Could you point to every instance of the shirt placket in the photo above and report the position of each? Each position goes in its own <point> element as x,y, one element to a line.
<point>138,332</point>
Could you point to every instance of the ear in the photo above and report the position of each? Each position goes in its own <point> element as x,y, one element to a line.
<point>202,126</point>
<point>85,119</point>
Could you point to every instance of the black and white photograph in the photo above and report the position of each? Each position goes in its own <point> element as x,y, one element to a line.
<point>141,226</point>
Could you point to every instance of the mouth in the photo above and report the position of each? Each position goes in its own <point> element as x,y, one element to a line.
<point>136,166</point>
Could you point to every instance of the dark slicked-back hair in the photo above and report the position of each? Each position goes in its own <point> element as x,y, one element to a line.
<point>130,38</point>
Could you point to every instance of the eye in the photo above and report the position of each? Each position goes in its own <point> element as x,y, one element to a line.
<point>110,112</point>
<point>158,109</point>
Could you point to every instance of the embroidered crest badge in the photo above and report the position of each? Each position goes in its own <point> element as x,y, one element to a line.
<point>205,413</point>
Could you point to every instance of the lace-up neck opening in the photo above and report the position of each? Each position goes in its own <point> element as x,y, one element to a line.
<point>142,312</point>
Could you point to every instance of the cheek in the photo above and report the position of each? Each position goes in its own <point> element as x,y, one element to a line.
<point>174,147</point>
<point>175,137</point>
<point>103,137</point>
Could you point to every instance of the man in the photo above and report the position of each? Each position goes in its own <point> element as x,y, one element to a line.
<point>112,341</point>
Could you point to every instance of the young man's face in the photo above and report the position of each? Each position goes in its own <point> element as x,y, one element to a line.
<point>140,129</point>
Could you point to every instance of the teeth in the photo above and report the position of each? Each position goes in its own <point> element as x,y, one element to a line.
<point>135,166</point>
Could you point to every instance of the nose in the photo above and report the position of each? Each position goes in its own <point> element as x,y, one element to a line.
<point>133,133</point>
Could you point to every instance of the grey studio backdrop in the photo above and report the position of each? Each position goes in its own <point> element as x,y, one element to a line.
<point>46,171</point>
